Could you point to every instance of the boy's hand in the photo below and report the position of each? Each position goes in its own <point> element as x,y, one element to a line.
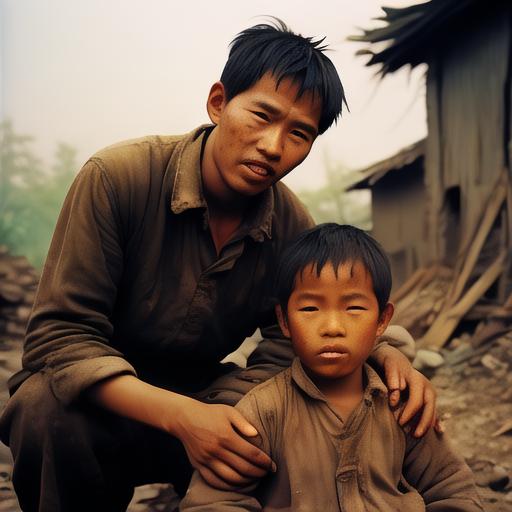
<point>402,380</point>
<point>212,437</point>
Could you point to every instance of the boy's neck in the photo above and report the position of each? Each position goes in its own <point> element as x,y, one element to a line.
<point>344,393</point>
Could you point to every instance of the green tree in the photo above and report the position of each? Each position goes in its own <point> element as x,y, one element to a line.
<point>332,203</point>
<point>30,196</point>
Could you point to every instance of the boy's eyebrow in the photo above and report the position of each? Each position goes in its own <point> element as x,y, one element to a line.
<point>309,128</point>
<point>354,296</point>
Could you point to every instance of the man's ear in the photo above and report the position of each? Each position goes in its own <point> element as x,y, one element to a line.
<point>385,318</point>
<point>216,102</point>
<point>282,321</point>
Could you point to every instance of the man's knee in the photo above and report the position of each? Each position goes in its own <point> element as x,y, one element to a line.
<point>33,416</point>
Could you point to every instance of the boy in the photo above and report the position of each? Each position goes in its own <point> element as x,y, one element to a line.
<point>325,421</point>
<point>161,264</point>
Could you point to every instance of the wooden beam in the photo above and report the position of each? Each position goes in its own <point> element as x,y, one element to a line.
<point>444,325</point>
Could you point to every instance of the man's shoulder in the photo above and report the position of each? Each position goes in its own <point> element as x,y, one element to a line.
<point>290,214</point>
<point>137,154</point>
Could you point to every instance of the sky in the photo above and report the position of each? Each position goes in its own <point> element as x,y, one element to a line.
<point>94,72</point>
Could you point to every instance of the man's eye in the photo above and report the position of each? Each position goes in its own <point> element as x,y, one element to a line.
<point>262,115</point>
<point>308,308</point>
<point>299,134</point>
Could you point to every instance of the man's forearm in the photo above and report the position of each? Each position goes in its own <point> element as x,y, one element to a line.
<point>132,398</point>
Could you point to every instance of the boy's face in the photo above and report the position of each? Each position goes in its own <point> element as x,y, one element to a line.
<point>261,135</point>
<point>333,321</point>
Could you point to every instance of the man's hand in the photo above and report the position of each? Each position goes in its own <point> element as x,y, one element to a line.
<point>212,437</point>
<point>401,376</point>
<point>211,434</point>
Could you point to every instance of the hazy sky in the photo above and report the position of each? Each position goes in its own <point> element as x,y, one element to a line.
<point>93,72</point>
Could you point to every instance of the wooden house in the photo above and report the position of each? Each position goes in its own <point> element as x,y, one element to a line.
<point>464,221</point>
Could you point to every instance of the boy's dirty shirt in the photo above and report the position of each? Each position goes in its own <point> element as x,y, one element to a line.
<point>366,464</point>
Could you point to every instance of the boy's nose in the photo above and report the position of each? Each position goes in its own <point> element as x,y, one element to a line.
<point>333,326</point>
<point>270,144</point>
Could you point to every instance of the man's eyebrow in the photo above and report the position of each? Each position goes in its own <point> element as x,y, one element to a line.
<point>309,128</point>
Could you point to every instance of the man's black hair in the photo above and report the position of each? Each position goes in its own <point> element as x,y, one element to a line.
<point>276,49</point>
<point>336,244</point>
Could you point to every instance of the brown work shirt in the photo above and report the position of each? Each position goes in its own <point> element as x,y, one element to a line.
<point>133,283</point>
<point>367,463</point>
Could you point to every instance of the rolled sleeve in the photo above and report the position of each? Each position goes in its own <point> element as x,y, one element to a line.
<point>69,331</point>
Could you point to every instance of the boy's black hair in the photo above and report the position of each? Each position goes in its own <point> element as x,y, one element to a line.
<point>276,49</point>
<point>336,244</point>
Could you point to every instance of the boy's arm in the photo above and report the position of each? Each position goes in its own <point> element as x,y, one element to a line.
<point>202,497</point>
<point>441,477</point>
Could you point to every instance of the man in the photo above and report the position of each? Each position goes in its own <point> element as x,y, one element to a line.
<point>162,262</point>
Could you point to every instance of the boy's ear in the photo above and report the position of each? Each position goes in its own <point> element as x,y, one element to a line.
<point>282,321</point>
<point>216,102</point>
<point>385,318</point>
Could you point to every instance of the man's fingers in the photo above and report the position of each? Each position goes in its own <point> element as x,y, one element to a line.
<point>242,425</point>
<point>427,415</point>
<point>414,402</point>
<point>243,467</point>
<point>394,397</point>
<point>211,478</point>
<point>392,376</point>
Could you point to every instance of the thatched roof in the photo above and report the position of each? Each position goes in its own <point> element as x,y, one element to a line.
<point>414,32</point>
<point>366,178</point>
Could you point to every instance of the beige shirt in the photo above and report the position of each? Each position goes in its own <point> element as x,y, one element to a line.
<point>367,463</point>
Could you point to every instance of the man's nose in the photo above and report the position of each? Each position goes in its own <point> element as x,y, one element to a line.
<point>333,325</point>
<point>270,143</point>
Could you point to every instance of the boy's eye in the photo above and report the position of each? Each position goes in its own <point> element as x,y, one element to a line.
<point>308,308</point>
<point>356,308</point>
<point>262,115</point>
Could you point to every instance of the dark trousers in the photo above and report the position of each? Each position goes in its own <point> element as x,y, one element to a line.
<point>81,458</point>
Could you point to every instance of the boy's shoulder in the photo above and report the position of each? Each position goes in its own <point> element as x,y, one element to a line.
<point>268,399</point>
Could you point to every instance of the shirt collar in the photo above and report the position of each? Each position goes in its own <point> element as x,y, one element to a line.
<point>187,191</point>
<point>374,387</point>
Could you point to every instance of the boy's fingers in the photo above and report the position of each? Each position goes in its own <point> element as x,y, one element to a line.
<point>426,418</point>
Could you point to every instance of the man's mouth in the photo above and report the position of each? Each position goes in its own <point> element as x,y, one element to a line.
<point>260,168</point>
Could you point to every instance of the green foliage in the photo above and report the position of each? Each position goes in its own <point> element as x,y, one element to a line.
<point>30,196</point>
<point>332,203</point>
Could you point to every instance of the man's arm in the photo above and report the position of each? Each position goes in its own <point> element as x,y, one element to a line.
<point>211,434</point>
<point>441,477</point>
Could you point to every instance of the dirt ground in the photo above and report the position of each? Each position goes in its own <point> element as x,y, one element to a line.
<point>474,397</point>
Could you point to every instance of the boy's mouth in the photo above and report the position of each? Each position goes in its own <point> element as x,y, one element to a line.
<point>333,352</point>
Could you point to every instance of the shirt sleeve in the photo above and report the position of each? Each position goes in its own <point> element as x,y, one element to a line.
<point>69,331</point>
<point>441,477</point>
<point>201,497</point>
<point>399,338</point>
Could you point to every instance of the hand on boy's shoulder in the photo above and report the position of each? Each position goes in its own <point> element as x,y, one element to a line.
<point>215,438</point>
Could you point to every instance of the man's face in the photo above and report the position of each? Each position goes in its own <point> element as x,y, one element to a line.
<point>333,321</point>
<point>261,135</point>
